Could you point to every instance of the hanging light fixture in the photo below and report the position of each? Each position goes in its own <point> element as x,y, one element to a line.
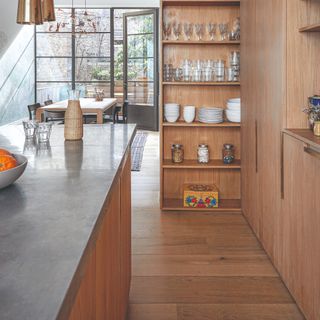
<point>29,12</point>
<point>35,11</point>
<point>48,13</point>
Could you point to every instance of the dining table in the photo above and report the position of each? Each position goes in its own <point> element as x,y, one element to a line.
<point>88,106</point>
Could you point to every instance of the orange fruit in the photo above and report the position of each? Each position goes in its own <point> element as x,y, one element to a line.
<point>4,152</point>
<point>7,162</point>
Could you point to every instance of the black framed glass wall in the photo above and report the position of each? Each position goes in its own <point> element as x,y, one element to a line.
<point>74,52</point>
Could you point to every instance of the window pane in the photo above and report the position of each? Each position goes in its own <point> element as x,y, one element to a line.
<point>118,62</point>
<point>140,69</point>
<point>118,90</point>
<point>92,20</point>
<point>54,91</point>
<point>140,46</point>
<point>93,45</point>
<point>90,69</point>
<point>140,24</point>
<point>63,22</point>
<point>88,89</point>
<point>54,44</point>
<point>54,69</point>
<point>141,93</point>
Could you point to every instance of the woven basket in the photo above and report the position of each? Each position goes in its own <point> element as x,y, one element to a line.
<point>73,121</point>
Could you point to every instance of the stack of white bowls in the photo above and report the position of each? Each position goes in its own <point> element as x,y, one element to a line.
<point>233,111</point>
<point>171,112</point>
<point>189,113</point>
<point>210,115</point>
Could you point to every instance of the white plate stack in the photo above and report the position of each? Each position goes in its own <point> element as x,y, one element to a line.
<point>171,112</point>
<point>210,115</point>
<point>233,111</point>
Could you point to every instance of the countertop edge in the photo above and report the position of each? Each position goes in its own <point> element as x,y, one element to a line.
<point>71,294</point>
<point>304,135</point>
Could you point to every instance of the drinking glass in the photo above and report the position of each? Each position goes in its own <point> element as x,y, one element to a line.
<point>177,30</point>
<point>188,30</point>
<point>208,74</point>
<point>44,131</point>
<point>212,30</point>
<point>168,72</point>
<point>223,28</point>
<point>199,28</point>
<point>177,74</point>
<point>197,75</point>
<point>166,30</point>
<point>30,128</point>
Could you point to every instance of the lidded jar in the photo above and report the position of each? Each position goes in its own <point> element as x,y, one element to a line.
<point>177,153</point>
<point>228,154</point>
<point>203,153</point>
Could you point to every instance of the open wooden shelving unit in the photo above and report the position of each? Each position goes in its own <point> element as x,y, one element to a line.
<point>174,176</point>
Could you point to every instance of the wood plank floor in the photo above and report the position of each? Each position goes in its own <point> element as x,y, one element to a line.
<point>198,266</point>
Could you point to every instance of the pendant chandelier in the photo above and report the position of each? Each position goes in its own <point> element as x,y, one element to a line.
<point>35,11</point>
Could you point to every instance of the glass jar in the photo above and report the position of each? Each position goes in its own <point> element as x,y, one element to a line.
<point>228,154</point>
<point>203,153</point>
<point>177,153</point>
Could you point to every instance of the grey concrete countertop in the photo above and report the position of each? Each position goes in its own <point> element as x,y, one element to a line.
<point>48,215</point>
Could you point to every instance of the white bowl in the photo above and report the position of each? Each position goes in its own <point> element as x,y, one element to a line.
<point>172,118</point>
<point>233,117</point>
<point>235,100</point>
<point>10,176</point>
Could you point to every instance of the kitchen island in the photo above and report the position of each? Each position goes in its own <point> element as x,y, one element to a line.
<point>65,226</point>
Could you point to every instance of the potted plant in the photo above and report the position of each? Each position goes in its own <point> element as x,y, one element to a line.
<point>313,112</point>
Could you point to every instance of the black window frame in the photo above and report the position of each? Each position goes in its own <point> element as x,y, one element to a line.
<point>73,56</point>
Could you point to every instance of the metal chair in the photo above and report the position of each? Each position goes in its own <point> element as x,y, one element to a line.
<point>120,114</point>
<point>32,108</point>
<point>48,102</point>
<point>51,116</point>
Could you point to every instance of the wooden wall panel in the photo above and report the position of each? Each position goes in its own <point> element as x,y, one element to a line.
<point>249,180</point>
<point>303,74</point>
<point>271,103</point>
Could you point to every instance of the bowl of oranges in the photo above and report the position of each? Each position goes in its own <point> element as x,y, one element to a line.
<point>12,167</point>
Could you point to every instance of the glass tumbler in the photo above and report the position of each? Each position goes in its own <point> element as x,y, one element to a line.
<point>30,128</point>
<point>44,131</point>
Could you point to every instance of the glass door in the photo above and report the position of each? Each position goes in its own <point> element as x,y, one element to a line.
<point>141,68</point>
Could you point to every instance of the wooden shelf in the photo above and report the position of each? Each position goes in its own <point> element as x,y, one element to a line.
<point>225,124</point>
<point>193,164</point>
<point>225,205</point>
<point>203,42</point>
<point>201,3</point>
<point>311,28</point>
<point>214,84</point>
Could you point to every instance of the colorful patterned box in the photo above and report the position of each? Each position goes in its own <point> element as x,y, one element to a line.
<point>200,196</point>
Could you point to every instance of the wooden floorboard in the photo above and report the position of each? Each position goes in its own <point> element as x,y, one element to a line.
<point>197,266</point>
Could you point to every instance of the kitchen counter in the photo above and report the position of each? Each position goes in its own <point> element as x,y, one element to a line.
<point>49,216</point>
<point>304,135</point>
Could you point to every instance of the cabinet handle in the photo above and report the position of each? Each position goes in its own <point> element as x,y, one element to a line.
<point>282,164</point>
<point>256,137</point>
<point>312,152</point>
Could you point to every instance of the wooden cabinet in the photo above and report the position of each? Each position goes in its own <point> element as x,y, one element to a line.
<point>249,132</point>
<point>105,269</point>
<point>300,224</point>
<point>263,85</point>
<point>199,94</point>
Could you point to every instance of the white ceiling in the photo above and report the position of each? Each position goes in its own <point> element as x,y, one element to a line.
<point>112,3</point>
